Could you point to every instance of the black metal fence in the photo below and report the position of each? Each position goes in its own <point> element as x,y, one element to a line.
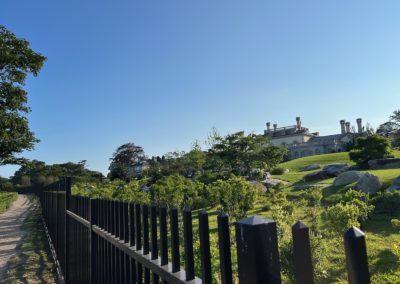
<point>109,241</point>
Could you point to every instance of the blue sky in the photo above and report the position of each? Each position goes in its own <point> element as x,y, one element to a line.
<point>163,73</point>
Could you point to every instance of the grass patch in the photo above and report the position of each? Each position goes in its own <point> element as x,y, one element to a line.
<point>33,262</point>
<point>322,160</point>
<point>6,200</point>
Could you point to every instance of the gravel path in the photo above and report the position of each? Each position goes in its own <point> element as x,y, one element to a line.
<point>10,229</point>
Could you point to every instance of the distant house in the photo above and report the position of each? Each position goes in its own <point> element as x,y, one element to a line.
<point>301,142</point>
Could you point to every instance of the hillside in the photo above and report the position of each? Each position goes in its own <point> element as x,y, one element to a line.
<point>295,176</point>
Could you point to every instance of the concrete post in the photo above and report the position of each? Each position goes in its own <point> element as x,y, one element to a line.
<point>275,126</point>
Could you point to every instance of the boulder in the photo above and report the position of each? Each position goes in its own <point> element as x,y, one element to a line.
<point>271,182</point>
<point>333,170</point>
<point>347,178</point>
<point>316,176</point>
<point>311,167</point>
<point>368,183</point>
<point>383,164</point>
<point>395,185</point>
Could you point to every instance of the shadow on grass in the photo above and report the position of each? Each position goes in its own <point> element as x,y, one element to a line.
<point>33,262</point>
<point>385,262</point>
<point>380,225</point>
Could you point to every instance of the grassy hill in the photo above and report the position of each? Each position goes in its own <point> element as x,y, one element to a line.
<point>295,176</point>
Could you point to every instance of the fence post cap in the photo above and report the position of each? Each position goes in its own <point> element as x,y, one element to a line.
<point>254,221</point>
<point>299,226</point>
<point>203,212</point>
<point>223,215</point>
<point>354,232</point>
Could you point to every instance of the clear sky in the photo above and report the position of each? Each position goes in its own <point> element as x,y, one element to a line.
<point>163,73</point>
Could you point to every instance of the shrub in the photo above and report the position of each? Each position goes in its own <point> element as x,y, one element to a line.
<point>176,191</point>
<point>387,203</point>
<point>116,189</point>
<point>369,148</point>
<point>341,217</point>
<point>234,196</point>
<point>278,171</point>
<point>313,196</point>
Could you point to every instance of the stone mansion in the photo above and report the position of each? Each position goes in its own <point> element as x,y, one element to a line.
<point>301,142</point>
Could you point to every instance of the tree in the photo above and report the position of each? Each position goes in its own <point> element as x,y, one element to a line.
<point>17,61</point>
<point>391,129</point>
<point>240,154</point>
<point>38,173</point>
<point>369,148</point>
<point>124,160</point>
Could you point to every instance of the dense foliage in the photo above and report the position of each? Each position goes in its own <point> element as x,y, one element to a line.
<point>6,199</point>
<point>178,192</point>
<point>17,61</point>
<point>391,129</point>
<point>369,148</point>
<point>125,160</point>
<point>234,196</point>
<point>36,172</point>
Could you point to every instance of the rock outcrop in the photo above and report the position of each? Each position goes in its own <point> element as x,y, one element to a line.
<point>368,183</point>
<point>333,170</point>
<point>311,167</point>
<point>348,178</point>
<point>395,185</point>
<point>316,176</point>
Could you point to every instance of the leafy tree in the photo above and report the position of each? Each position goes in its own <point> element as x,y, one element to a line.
<point>176,191</point>
<point>38,173</point>
<point>124,160</point>
<point>391,128</point>
<point>17,61</point>
<point>234,196</point>
<point>369,148</point>
<point>240,154</point>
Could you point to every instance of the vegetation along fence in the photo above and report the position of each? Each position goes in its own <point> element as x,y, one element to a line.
<point>108,241</point>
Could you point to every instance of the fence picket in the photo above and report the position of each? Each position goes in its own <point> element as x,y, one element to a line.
<point>304,272</point>
<point>108,241</point>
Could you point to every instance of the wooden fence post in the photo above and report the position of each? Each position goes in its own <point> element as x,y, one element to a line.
<point>257,251</point>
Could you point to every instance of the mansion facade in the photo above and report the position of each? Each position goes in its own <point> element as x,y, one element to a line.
<point>301,142</point>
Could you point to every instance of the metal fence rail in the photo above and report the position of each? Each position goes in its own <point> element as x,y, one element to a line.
<point>109,241</point>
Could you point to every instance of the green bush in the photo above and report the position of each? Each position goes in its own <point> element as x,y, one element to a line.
<point>341,217</point>
<point>369,148</point>
<point>234,196</point>
<point>178,191</point>
<point>278,171</point>
<point>6,199</point>
<point>313,196</point>
<point>387,203</point>
<point>116,189</point>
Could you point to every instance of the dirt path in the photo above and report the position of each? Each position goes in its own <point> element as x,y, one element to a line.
<point>10,229</point>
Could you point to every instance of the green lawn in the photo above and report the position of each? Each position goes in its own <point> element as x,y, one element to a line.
<point>297,164</point>
<point>295,176</point>
<point>33,262</point>
<point>6,200</point>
